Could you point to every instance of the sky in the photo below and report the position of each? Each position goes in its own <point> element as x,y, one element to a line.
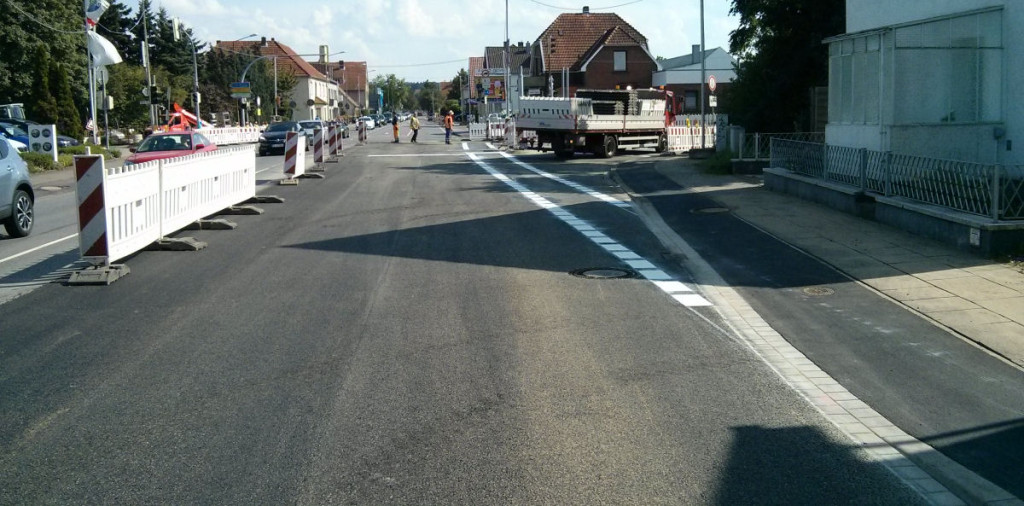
<point>419,40</point>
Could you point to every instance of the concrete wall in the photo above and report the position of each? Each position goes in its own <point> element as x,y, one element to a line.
<point>971,233</point>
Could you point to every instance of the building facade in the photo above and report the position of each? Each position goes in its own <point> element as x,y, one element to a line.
<point>937,79</point>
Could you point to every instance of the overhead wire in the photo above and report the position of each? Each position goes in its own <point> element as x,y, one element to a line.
<point>34,20</point>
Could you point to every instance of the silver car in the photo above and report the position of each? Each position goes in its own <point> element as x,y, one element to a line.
<point>17,200</point>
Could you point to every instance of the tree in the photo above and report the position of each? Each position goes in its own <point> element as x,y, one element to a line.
<point>781,57</point>
<point>54,24</point>
<point>429,96</point>
<point>42,107</point>
<point>460,81</point>
<point>69,119</point>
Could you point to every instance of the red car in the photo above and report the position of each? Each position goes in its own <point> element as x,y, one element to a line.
<point>161,145</point>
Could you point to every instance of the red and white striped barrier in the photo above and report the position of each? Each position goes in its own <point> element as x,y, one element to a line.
<point>124,209</point>
<point>318,146</point>
<point>92,216</point>
<point>333,138</point>
<point>294,155</point>
<point>495,130</point>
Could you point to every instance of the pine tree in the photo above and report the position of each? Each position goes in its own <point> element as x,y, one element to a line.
<point>41,105</point>
<point>69,120</point>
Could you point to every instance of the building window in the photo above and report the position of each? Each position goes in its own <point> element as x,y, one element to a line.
<point>690,100</point>
<point>619,61</point>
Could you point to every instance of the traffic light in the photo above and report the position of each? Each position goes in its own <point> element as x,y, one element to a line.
<point>156,95</point>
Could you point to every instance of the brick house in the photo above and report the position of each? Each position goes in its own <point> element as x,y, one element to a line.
<point>595,50</point>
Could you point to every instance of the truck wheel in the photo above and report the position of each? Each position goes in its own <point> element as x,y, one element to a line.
<point>662,144</point>
<point>607,150</point>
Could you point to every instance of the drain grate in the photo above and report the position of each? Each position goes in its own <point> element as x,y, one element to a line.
<point>604,273</point>
<point>710,210</point>
<point>818,291</point>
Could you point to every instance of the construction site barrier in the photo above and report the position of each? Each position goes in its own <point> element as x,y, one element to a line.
<point>318,146</point>
<point>124,209</point>
<point>477,131</point>
<point>232,135</point>
<point>680,139</point>
<point>294,155</point>
<point>495,130</point>
<point>333,137</point>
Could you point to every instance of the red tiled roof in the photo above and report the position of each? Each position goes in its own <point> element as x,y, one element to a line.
<point>572,37</point>
<point>287,59</point>
<point>615,36</point>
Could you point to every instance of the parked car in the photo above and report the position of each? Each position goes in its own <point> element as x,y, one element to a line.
<point>19,146</point>
<point>163,145</point>
<point>273,138</point>
<point>17,200</point>
<point>369,122</point>
<point>63,141</point>
<point>310,126</point>
<point>15,132</point>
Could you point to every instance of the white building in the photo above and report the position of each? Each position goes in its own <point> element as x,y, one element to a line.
<point>682,75</point>
<point>936,78</point>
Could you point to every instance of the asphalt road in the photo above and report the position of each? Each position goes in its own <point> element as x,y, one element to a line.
<point>404,331</point>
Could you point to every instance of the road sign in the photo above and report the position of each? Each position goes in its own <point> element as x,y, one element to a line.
<point>713,101</point>
<point>712,83</point>
<point>241,90</point>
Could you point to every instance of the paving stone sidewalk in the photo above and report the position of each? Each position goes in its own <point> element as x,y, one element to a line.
<point>980,299</point>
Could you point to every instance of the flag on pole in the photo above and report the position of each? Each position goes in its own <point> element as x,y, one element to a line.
<point>102,50</point>
<point>94,9</point>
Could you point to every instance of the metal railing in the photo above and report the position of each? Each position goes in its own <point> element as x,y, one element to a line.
<point>758,146</point>
<point>995,191</point>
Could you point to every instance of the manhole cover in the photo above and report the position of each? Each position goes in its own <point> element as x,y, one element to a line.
<point>710,210</point>
<point>818,291</point>
<point>604,273</point>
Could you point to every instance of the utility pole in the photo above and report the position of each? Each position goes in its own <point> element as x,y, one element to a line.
<point>146,63</point>
<point>703,78</point>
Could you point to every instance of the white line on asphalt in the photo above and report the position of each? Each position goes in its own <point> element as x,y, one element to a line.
<point>675,289</point>
<point>414,154</point>
<point>37,248</point>
<point>576,186</point>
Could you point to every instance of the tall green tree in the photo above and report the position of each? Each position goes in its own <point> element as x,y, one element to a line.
<point>430,96</point>
<point>42,106</point>
<point>69,117</point>
<point>55,24</point>
<point>781,57</point>
<point>460,81</point>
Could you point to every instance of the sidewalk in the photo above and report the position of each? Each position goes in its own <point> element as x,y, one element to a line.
<point>979,299</point>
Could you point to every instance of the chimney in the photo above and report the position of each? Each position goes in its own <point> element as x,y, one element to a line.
<point>697,53</point>
<point>586,9</point>
<point>263,41</point>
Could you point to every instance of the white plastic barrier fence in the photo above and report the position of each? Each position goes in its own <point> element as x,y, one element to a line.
<point>294,155</point>
<point>477,131</point>
<point>686,138</point>
<point>197,186</point>
<point>495,130</point>
<point>123,209</point>
<point>232,135</point>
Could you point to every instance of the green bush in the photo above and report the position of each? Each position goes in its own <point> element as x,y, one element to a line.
<point>719,163</point>
<point>40,162</point>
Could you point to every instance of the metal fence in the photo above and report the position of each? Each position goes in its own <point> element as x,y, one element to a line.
<point>758,146</point>
<point>995,191</point>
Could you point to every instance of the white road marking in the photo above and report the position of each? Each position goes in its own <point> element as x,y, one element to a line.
<point>416,155</point>
<point>37,248</point>
<point>576,186</point>
<point>646,269</point>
